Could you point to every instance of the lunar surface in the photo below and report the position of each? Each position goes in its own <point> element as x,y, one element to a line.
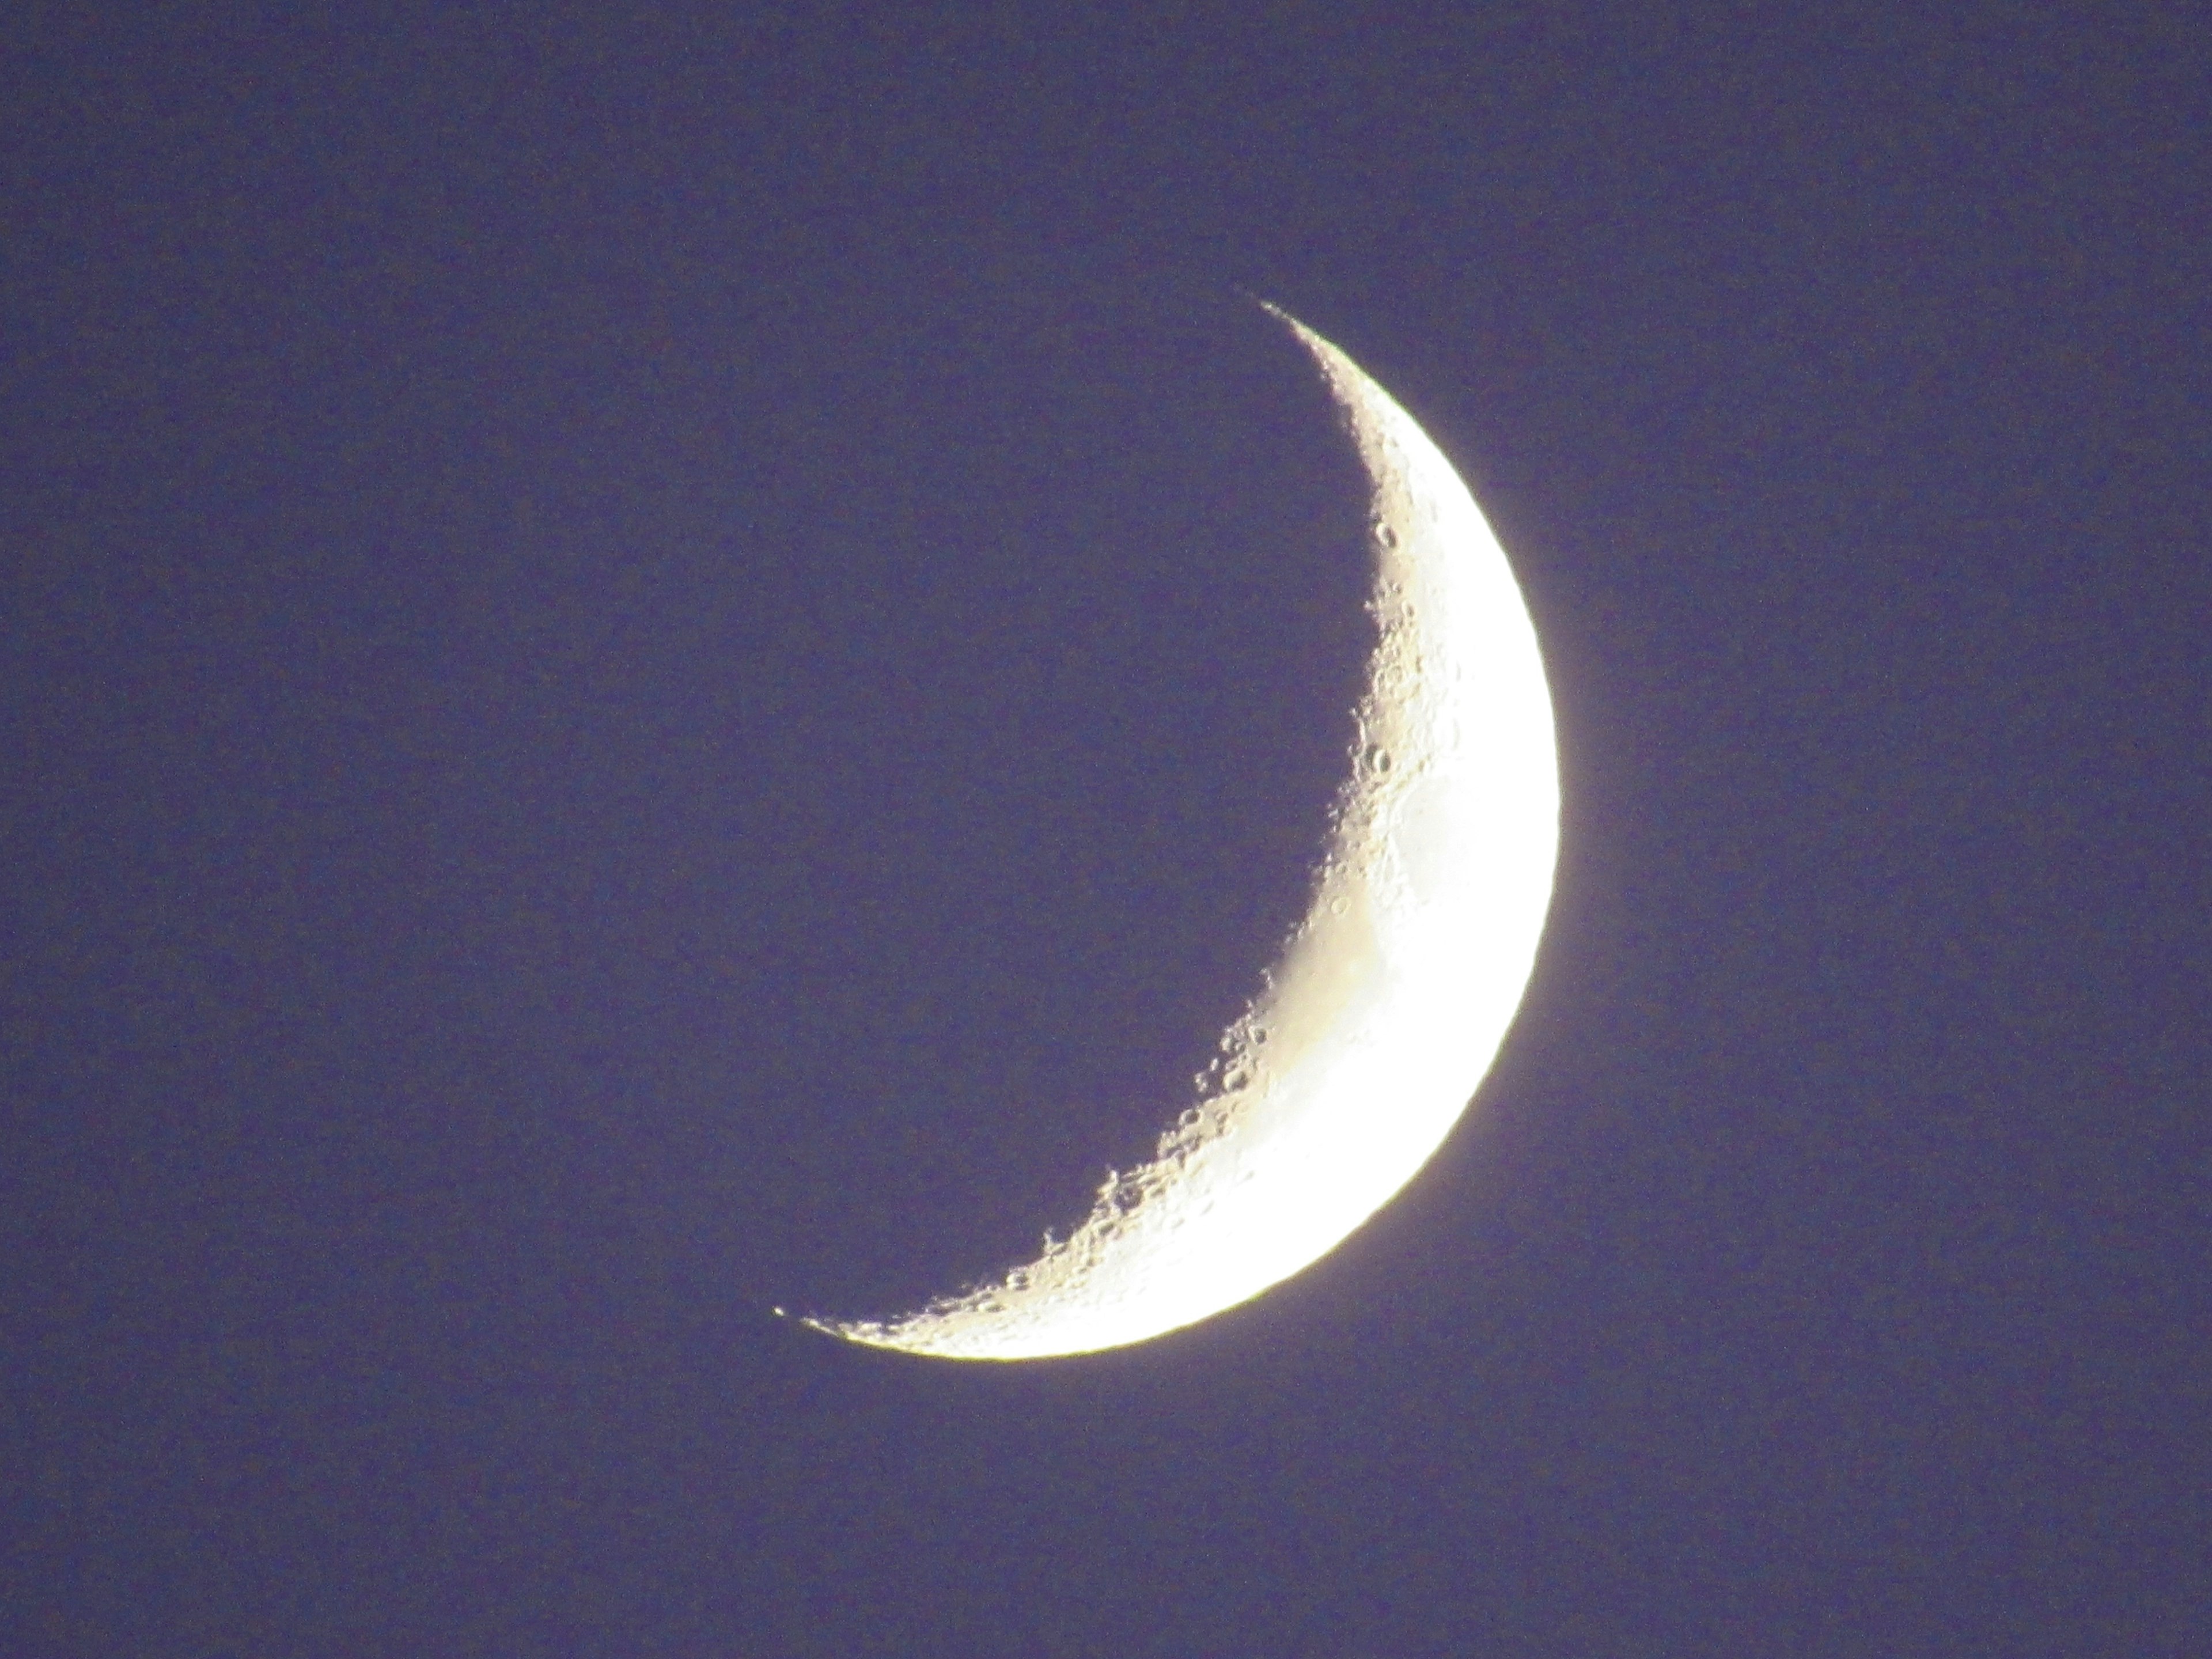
<point>1372,1031</point>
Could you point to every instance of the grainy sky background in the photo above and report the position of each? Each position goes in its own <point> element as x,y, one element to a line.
<point>659,661</point>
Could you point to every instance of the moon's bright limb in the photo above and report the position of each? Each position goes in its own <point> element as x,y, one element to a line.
<point>1390,999</point>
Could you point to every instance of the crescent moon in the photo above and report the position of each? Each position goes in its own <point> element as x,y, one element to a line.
<point>1388,1005</point>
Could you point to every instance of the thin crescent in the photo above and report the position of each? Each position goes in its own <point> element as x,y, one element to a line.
<point>1390,1001</point>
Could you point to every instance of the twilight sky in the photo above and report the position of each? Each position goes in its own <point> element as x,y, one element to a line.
<point>655,662</point>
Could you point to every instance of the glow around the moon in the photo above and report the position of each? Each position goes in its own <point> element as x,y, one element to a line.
<point>1372,1031</point>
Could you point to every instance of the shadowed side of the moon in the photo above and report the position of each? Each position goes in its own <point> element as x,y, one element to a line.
<point>1061,774</point>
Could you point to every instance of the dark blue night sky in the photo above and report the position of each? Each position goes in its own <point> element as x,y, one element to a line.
<point>657,661</point>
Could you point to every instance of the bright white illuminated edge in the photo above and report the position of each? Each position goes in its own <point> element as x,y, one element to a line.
<point>1374,1030</point>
